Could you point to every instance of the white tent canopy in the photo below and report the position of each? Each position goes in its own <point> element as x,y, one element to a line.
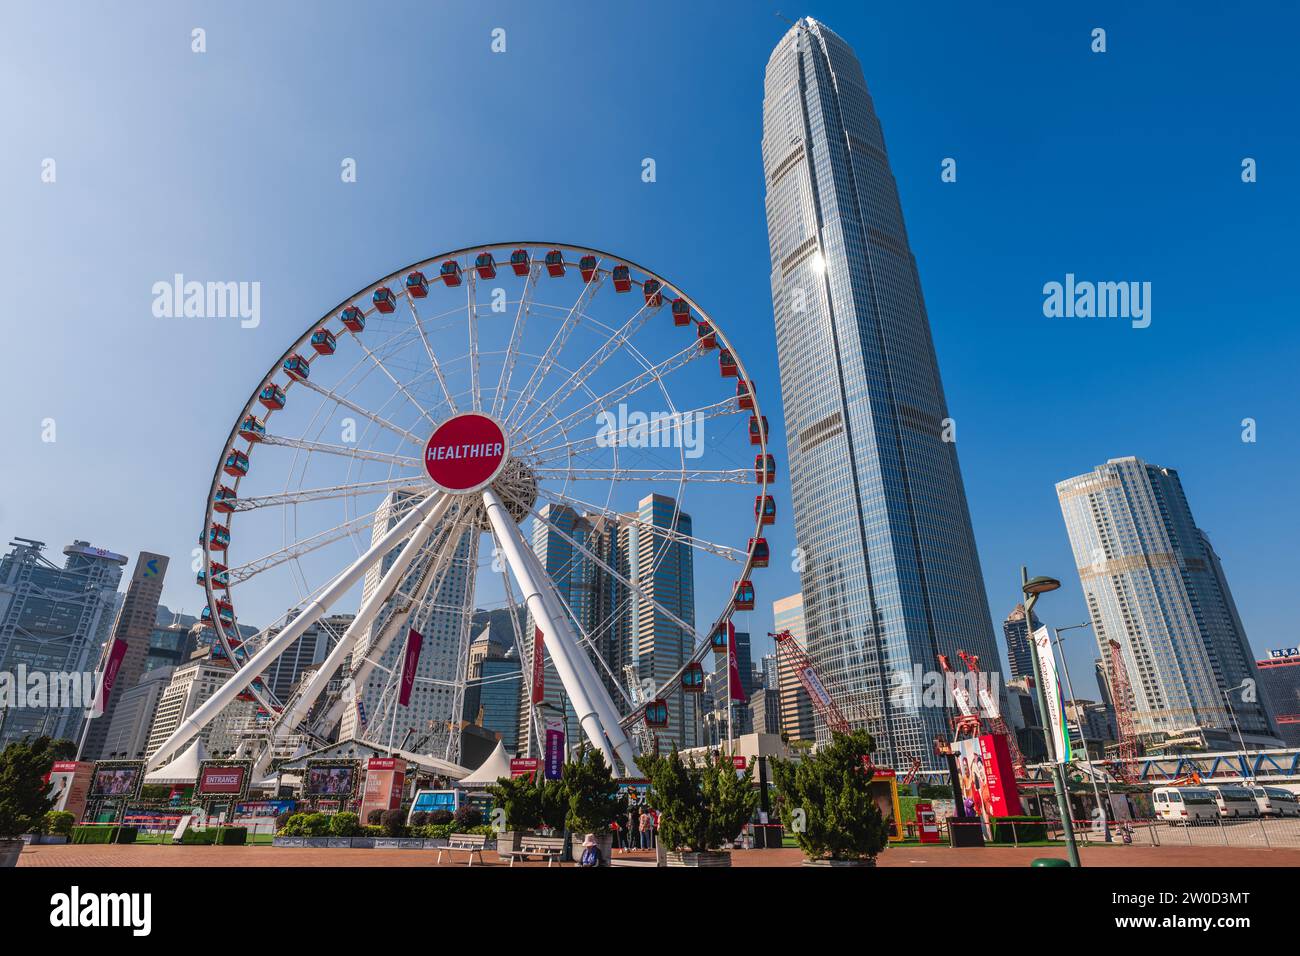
<point>494,768</point>
<point>184,769</point>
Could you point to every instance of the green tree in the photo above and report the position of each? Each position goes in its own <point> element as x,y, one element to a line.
<point>23,791</point>
<point>701,806</point>
<point>594,799</point>
<point>555,803</point>
<point>826,801</point>
<point>521,798</point>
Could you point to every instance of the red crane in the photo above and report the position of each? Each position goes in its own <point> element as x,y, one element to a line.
<point>801,664</point>
<point>1121,699</point>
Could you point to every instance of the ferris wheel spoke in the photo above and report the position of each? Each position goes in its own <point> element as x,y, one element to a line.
<point>700,544</point>
<point>516,339</point>
<point>355,489</point>
<point>737,476</point>
<point>365,412</point>
<point>632,386</point>
<point>298,549</point>
<point>471,309</point>
<point>662,428</point>
<point>433,359</point>
<point>571,321</point>
<point>392,378</point>
<point>579,376</point>
<point>360,454</point>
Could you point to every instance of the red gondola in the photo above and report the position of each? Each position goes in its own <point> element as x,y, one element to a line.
<point>693,678</point>
<point>757,429</point>
<point>727,364</point>
<point>653,297</point>
<point>622,277</point>
<point>555,263</point>
<point>384,299</point>
<point>252,428</point>
<point>745,394</point>
<point>520,262</point>
<point>450,272</point>
<point>765,509</point>
<point>417,284</point>
<point>272,396</point>
<point>352,318</point>
<point>297,367</point>
<point>764,467</point>
<point>223,500</point>
<point>743,596</point>
<point>587,266</point>
<point>718,639</point>
<point>758,551</point>
<point>708,339</point>
<point>323,341</point>
<point>225,612</point>
<point>656,714</point>
<point>218,537</point>
<point>681,312</point>
<point>220,576</point>
<point>236,464</point>
<point>486,266</point>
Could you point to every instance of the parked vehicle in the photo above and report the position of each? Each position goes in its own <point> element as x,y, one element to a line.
<point>1235,801</point>
<point>1184,804</point>
<point>1276,802</point>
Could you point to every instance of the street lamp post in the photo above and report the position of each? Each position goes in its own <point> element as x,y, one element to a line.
<point>1069,686</point>
<point>1032,587</point>
<point>1245,758</point>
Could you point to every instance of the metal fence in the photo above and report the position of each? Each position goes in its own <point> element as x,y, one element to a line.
<point>1257,831</point>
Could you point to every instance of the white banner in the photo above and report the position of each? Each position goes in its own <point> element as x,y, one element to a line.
<point>1055,716</point>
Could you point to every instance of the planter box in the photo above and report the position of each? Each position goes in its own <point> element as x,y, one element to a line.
<point>288,841</point>
<point>44,838</point>
<point>319,842</point>
<point>433,843</point>
<point>339,843</point>
<point>853,863</point>
<point>9,850</point>
<point>361,843</point>
<point>398,843</point>
<point>710,858</point>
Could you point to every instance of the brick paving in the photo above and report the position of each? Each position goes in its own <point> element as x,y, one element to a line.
<point>236,856</point>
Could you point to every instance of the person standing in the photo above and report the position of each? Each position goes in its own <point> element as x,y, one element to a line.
<point>633,827</point>
<point>647,825</point>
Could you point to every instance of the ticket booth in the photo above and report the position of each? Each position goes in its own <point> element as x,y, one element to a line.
<point>927,824</point>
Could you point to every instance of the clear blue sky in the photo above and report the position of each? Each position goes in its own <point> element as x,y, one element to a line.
<point>225,165</point>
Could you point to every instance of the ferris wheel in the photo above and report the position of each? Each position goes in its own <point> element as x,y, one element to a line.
<point>420,439</point>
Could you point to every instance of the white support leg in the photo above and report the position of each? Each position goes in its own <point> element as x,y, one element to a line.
<point>366,615</point>
<point>274,647</point>
<point>514,546</point>
<point>587,671</point>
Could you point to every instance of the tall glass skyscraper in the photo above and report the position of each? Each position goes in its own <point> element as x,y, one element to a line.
<point>1155,586</point>
<point>890,575</point>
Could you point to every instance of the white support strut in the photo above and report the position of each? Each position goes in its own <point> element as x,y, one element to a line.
<point>513,546</point>
<point>274,647</point>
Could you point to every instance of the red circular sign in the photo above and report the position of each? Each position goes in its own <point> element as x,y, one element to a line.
<point>465,453</point>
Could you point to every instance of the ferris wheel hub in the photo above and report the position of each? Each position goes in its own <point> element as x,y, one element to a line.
<point>466,453</point>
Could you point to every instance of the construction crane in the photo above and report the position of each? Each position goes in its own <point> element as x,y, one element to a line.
<point>967,722</point>
<point>794,656</point>
<point>1121,699</point>
<point>911,774</point>
<point>994,715</point>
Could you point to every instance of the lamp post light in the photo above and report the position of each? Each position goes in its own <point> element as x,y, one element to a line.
<point>1032,588</point>
<point>1245,759</point>
<point>1069,686</point>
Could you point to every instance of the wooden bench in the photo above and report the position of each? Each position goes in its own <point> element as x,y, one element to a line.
<point>550,848</point>
<point>467,843</point>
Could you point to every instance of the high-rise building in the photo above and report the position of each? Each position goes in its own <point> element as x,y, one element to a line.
<point>128,734</point>
<point>795,706</point>
<point>1154,585</point>
<point>283,675</point>
<point>499,680</point>
<point>765,715</point>
<point>1019,655</point>
<point>54,620</point>
<point>891,577</point>
<point>442,619</point>
<point>1279,683</point>
<point>190,686</point>
<point>135,625</point>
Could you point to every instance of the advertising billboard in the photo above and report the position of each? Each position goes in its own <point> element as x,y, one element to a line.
<point>332,778</point>
<point>70,785</point>
<point>385,779</point>
<point>117,778</point>
<point>987,779</point>
<point>884,792</point>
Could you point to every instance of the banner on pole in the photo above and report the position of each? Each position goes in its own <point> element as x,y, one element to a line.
<point>1055,716</point>
<point>554,748</point>
<point>539,674</point>
<point>411,660</point>
<point>109,677</point>
<point>733,667</point>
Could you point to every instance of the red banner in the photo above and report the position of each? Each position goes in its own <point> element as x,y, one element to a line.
<point>524,766</point>
<point>109,677</point>
<point>733,675</point>
<point>414,641</point>
<point>539,674</point>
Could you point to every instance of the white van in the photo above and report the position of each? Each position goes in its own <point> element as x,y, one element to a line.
<point>1276,802</point>
<point>1235,801</point>
<point>1184,804</point>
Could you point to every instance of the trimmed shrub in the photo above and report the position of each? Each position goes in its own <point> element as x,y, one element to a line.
<point>1018,829</point>
<point>439,817</point>
<point>58,823</point>
<point>345,825</point>
<point>93,834</point>
<point>125,835</point>
<point>393,824</point>
<point>232,836</point>
<point>468,816</point>
<point>419,818</point>
<point>375,817</point>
